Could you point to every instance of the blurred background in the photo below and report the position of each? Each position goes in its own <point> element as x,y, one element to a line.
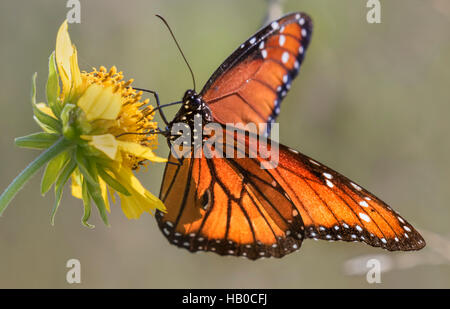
<point>371,101</point>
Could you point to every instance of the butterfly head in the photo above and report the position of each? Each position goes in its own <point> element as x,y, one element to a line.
<point>193,106</point>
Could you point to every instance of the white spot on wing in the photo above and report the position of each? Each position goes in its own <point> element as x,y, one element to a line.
<point>274,25</point>
<point>363,204</point>
<point>264,53</point>
<point>364,217</point>
<point>281,40</point>
<point>356,186</point>
<point>285,57</point>
<point>327,175</point>
<point>329,183</point>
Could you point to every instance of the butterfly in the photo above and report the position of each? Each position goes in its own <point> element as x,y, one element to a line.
<point>232,206</point>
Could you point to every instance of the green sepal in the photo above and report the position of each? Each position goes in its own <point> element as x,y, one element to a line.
<point>90,174</point>
<point>41,140</point>
<point>59,186</point>
<point>96,193</point>
<point>83,166</point>
<point>52,87</point>
<point>48,123</point>
<point>112,182</point>
<point>43,126</point>
<point>86,205</point>
<point>17,184</point>
<point>52,171</point>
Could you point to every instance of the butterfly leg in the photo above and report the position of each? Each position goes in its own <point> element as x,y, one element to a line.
<point>155,94</point>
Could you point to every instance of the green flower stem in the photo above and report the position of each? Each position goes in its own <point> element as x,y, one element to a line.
<point>59,146</point>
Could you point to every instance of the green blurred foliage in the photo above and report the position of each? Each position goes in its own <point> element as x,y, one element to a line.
<point>372,101</point>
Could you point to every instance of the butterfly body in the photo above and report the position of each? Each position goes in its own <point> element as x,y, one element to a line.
<point>193,107</point>
<point>233,206</point>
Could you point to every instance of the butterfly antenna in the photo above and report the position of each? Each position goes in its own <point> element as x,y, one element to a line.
<point>179,48</point>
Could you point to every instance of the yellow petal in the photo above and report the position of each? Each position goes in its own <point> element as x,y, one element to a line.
<point>76,187</point>
<point>45,109</point>
<point>131,207</point>
<point>113,104</point>
<point>106,143</point>
<point>126,177</point>
<point>99,102</point>
<point>140,200</point>
<point>64,52</point>
<point>104,190</point>
<point>75,72</point>
<point>140,151</point>
<point>111,193</point>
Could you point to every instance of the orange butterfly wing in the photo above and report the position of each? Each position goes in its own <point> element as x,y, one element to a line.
<point>250,85</point>
<point>233,207</point>
<point>335,208</point>
<point>331,206</point>
<point>213,206</point>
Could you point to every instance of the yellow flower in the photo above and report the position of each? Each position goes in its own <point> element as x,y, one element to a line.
<point>97,131</point>
<point>115,124</point>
